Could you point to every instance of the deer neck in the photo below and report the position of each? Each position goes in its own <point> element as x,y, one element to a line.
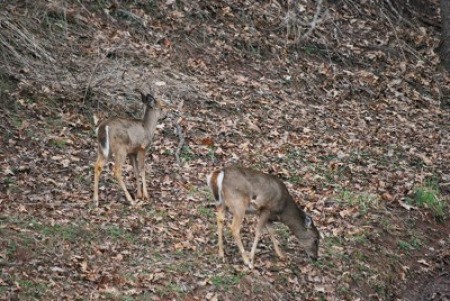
<point>293,218</point>
<point>151,120</point>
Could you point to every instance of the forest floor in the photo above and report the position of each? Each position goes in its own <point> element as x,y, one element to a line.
<point>346,102</point>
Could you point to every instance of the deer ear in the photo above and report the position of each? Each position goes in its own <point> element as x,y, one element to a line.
<point>308,222</point>
<point>143,96</point>
<point>151,101</point>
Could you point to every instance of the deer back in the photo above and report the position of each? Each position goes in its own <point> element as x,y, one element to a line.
<point>129,135</point>
<point>255,189</point>
<point>126,134</point>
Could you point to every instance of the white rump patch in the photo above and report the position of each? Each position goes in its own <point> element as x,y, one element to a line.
<point>219,185</point>
<point>208,179</point>
<point>105,150</point>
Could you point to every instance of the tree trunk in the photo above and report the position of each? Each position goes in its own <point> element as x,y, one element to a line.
<point>444,49</point>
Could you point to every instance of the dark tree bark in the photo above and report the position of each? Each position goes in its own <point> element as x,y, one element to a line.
<point>444,49</point>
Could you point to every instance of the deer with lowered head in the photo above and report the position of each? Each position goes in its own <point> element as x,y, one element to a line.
<point>244,190</point>
<point>124,137</point>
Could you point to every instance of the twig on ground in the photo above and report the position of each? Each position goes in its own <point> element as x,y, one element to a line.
<point>294,24</point>
<point>180,143</point>
<point>180,134</point>
<point>395,32</point>
<point>399,16</point>
<point>316,19</point>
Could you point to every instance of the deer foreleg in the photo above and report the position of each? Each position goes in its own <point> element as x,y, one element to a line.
<point>262,221</point>
<point>141,167</point>
<point>137,174</point>
<point>274,240</point>
<point>118,175</point>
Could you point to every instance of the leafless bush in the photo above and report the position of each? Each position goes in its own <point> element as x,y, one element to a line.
<point>55,49</point>
<point>34,59</point>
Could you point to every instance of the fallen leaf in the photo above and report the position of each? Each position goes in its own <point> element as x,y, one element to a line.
<point>407,206</point>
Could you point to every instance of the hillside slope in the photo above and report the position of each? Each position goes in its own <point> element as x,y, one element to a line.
<point>345,101</point>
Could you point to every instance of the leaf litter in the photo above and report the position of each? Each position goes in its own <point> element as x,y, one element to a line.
<point>351,123</point>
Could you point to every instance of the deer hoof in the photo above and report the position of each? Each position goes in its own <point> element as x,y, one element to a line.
<point>247,261</point>
<point>250,264</point>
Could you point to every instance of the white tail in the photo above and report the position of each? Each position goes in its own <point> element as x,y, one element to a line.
<point>215,181</point>
<point>124,138</point>
<point>243,190</point>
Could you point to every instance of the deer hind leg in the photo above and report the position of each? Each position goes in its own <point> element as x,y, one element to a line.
<point>238,218</point>
<point>220,220</point>
<point>262,221</point>
<point>119,161</point>
<point>98,167</point>
<point>274,240</point>
<point>141,167</point>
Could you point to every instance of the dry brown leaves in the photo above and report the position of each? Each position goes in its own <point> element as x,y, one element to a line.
<point>349,118</point>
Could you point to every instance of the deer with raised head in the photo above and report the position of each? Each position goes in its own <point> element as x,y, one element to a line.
<point>124,137</point>
<point>244,190</point>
